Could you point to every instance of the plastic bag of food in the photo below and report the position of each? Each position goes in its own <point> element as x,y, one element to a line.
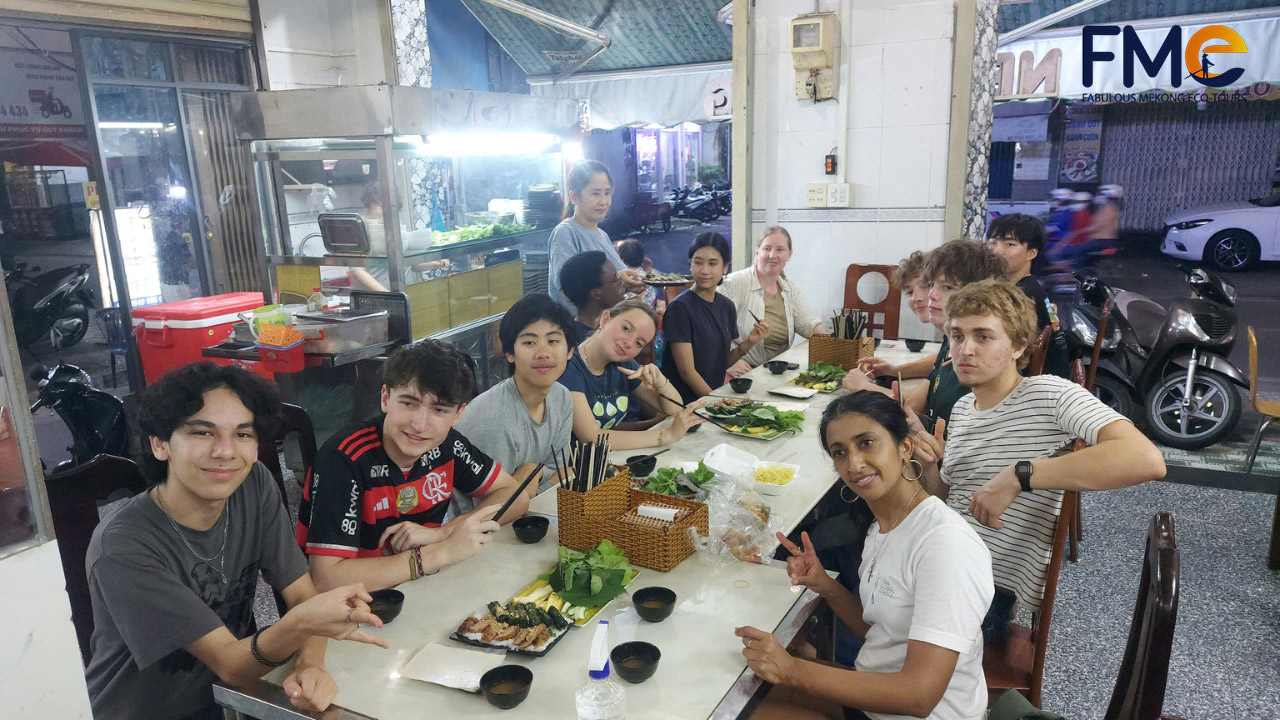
<point>742,525</point>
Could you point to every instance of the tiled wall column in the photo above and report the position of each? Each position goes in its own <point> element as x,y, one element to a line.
<point>981,107</point>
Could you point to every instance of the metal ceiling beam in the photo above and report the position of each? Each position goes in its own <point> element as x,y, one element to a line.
<point>561,25</point>
<point>1048,20</point>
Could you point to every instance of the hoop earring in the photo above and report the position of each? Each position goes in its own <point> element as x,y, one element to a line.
<point>919,470</point>
<point>844,487</point>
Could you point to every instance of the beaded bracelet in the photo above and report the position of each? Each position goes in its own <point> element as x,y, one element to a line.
<point>417,561</point>
<point>413,565</point>
<point>253,648</point>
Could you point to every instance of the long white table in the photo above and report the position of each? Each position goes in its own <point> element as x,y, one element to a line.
<point>702,673</point>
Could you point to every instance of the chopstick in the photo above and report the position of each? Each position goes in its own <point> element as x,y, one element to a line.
<point>713,421</point>
<point>753,316</point>
<point>642,458</point>
<point>536,471</point>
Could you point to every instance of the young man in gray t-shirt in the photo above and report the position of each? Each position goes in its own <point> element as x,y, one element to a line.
<point>522,420</point>
<point>172,574</point>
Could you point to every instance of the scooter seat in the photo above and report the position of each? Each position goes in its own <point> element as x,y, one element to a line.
<point>1144,315</point>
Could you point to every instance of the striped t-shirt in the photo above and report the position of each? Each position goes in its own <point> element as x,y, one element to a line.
<point>1040,416</point>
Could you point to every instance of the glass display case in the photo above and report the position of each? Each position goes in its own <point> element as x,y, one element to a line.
<point>405,190</point>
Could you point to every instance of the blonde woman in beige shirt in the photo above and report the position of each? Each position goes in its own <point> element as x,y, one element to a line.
<point>763,292</point>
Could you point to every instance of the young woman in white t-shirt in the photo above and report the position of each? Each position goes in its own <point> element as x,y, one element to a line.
<point>926,584</point>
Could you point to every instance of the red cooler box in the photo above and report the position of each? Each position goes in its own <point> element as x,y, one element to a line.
<point>171,335</point>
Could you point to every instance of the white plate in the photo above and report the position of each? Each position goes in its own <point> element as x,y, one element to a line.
<point>767,488</point>
<point>795,391</point>
<point>729,460</point>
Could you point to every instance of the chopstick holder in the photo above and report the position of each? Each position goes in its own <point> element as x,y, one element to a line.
<point>657,512</point>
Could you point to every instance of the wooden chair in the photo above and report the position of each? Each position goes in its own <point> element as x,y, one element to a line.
<point>1041,351</point>
<point>1075,533</point>
<point>1097,345</point>
<point>74,498</point>
<point>1268,406</point>
<point>884,314</point>
<point>1144,670</point>
<point>293,420</point>
<point>1017,663</point>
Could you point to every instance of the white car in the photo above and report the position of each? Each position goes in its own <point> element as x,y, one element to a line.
<point>1231,236</point>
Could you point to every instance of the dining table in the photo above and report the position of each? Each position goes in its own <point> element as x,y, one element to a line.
<point>702,673</point>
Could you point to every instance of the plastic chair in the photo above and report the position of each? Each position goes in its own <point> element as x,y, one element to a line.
<point>117,337</point>
<point>1144,670</point>
<point>74,498</point>
<point>1017,662</point>
<point>1269,408</point>
<point>293,419</point>
<point>884,314</point>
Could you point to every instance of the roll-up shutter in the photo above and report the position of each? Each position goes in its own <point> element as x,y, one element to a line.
<point>222,17</point>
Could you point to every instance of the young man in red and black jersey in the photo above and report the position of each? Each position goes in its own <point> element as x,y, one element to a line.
<point>374,505</point>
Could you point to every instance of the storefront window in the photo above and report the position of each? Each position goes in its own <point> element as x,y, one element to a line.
<point>204,64</point>
<point>126,59</point>
<point>151,191</point>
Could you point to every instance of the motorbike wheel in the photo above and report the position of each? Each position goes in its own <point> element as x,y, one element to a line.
<point>76,311</point>
<point>1114,394</point>
<point>1214,411</point>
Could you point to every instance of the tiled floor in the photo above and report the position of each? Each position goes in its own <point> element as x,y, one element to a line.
<point>1226,653</point>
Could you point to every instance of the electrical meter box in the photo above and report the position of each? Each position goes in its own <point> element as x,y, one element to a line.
<point>814,39</point>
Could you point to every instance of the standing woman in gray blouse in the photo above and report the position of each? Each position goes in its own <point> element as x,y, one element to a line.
<point>763,292</point>
<point>590,196</point>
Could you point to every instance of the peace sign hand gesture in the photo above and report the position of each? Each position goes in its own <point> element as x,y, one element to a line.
<point>803,566</point>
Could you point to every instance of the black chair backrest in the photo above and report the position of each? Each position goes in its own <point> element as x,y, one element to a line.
<point>74,498</point>
<point>293,419</point>
<point>1139,690</point>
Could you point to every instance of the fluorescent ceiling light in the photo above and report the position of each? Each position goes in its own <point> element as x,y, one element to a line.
<point>108,125</point>
<point>480,144</point>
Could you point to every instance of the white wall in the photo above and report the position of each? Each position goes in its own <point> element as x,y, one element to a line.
<point>40,671</point>
<point>317,43</point>
<point>889,123</point>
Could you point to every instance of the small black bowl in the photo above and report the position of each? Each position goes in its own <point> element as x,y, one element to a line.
<point>513,680</point>
<point>915,345</point>
<point>531,529</point>
<point>777,367</point>
<point>641,465</point>
<point>386,604</point>
<point>636,661</point>
<point>654,603</point>
<point>740,385</point>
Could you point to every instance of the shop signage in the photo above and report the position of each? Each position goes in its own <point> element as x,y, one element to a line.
<point>39,96</point>
<point>1081,144</point>
<point>717,103</point>
<point>1116,63</point>
<point>91,199</point>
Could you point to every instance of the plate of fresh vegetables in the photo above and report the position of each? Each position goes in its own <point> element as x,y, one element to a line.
<point>821,376</point>
<point>680,480</point>
<point>749,418</point>
<point>580,584</point>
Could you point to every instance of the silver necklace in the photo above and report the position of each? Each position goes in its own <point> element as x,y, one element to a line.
<point>871,574</point>
<point>222,561</point>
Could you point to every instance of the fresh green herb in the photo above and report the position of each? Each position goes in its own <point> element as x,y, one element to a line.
<point>590,579</point>
<point>821,372</point>
<point>664,481</point>
<point>758,419</point>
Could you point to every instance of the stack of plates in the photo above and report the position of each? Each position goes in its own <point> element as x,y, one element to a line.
<point>542,206</point>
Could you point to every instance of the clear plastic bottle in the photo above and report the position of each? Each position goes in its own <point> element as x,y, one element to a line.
<point>601,698</point>
<point>317,300</point>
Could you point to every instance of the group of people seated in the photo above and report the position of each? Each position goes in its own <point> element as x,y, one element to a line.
<point>960,512</point>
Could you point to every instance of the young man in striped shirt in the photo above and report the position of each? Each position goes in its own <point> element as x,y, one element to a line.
<point>1001,468</point>
<point>373,509</point>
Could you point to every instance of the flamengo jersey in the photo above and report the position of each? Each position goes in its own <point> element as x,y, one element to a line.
<point>354,492</point>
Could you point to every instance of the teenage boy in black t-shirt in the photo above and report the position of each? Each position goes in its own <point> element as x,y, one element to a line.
<point>374,505</point>
<point>1020,239</point>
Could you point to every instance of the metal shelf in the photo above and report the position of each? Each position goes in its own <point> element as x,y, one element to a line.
<point>444,252</point>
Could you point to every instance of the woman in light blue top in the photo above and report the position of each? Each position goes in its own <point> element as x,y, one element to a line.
<point>591,196</point>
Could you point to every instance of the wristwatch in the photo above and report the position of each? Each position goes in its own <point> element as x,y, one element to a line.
<point>1023,470</point>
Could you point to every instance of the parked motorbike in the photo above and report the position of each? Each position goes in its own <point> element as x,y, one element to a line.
<point>701,205</point>
<point>1168,366</point>
<point>96,419</point>
<point>54,304</point>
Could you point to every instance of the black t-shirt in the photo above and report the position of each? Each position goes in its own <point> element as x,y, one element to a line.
<point>944,388</point>
<point>1057,361</point>
<point>354,491</point>
<point>711,327</point>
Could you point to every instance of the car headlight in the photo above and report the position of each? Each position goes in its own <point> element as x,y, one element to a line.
<point>1192,224</point>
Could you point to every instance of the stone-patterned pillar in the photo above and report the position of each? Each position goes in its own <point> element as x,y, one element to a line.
<point>413,68</point>
<point>981,107</point>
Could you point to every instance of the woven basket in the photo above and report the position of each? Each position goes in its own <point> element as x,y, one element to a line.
<point>838,351</point>
<point>608,511</point>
